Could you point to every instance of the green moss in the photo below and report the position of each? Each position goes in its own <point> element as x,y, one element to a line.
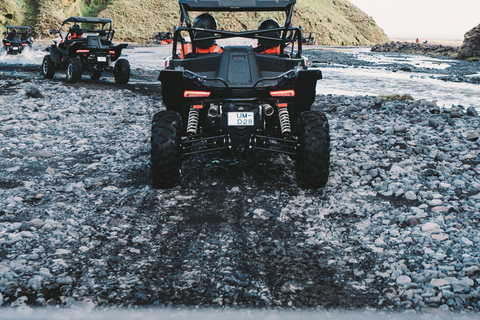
<point>404,97</point>
<point>473,59</point>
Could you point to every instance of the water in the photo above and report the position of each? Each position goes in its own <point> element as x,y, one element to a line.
<point>375,82</point>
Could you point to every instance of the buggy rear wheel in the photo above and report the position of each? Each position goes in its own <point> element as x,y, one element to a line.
<point>166,152</point>
<point>48,68</point>
<point>313,160</point>
<point>73,70</point>
<point>122,71</point>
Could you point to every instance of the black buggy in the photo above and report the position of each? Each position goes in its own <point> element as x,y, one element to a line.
<point>86,47</point>
<point>239,98</point>
<point>17,39</point>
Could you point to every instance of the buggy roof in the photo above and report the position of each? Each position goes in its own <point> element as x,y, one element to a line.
<point>18,27</point>
<point>236,5</point>
<point>88,19</point>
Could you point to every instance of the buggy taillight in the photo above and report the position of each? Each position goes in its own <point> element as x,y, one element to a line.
<point>83,51</point>
<point>196,94</point>
<point>112,52</point>
<point>283,93</point>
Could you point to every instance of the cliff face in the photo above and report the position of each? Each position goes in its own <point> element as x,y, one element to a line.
<point>471,45</point>
<point>335,22</point>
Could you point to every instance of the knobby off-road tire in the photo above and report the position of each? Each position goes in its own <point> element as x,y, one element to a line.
<point>48,68</point>
<point>166,152</point>
<point>73,70</point>
<point>122,71</point>
<point>95,75</point>
<point>313,160</point>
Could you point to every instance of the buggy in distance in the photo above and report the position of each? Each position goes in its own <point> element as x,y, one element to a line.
<point>86,47</point>
<point>17,39</point>
<point>238,98</point>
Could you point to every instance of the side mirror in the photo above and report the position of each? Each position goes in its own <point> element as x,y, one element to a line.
<point>53,32</point>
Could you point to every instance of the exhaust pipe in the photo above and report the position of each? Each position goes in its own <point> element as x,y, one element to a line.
<point>213,111</point>
<point>269,110</point>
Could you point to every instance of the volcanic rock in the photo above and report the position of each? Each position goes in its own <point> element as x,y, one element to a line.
<point>471,44</point>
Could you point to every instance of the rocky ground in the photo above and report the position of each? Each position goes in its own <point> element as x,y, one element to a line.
<point>417,48</point>
<point>395,228</point>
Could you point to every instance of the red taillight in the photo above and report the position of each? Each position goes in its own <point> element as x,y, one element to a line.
<point>283,93</point>
<point>7,44</point>
<point>111,52</point>
<point>24,44</point>
<point>83,51</point>
<point>196,94</point>
<point>283,105</point>
<point>197,106</point>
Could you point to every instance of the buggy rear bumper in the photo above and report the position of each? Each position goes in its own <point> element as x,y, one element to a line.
<point>197,144</point>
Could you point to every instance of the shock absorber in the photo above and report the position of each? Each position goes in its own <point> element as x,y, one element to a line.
<point>284,118</point>
<point>192,124</point>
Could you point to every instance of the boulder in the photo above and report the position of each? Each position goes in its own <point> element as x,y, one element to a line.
<point>471,44</point>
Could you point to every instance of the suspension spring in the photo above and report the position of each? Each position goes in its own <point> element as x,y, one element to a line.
<point>192,124</point>
<point>284,120</point>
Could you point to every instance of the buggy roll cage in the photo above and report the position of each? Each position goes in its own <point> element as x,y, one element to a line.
<point>25,31</point>
<point>290,34</point>
<point>104,32</point>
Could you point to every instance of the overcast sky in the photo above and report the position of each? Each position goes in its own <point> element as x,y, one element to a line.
<point>426,19</point>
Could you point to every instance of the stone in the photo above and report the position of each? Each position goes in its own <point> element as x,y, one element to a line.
<point>440,209</point>
<point>380,243</point>
<point>35,223</point>
<point>13,169</point>
<point>410,195</point>
<point>473,136</point>
<point>34,92</point>
<point>466,241</point>
<point>472,112</point>
<point>399,128</point>
<point>434,123</point>
<point>439,282</point>
<point>412,222</point>
<point>430,226</point>
<point>440,237</point>
<point>456,114</point>
<point>471,44</point>
<point>403,280</point>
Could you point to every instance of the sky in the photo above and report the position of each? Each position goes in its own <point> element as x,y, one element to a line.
<point>424,19</point>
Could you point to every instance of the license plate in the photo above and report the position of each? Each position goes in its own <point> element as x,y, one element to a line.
<point>102,59</point>
<point>240,119</point>
<point>15,48</point>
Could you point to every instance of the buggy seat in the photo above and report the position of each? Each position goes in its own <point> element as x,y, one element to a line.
<point>16,39</point>
<point>94,42</point>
